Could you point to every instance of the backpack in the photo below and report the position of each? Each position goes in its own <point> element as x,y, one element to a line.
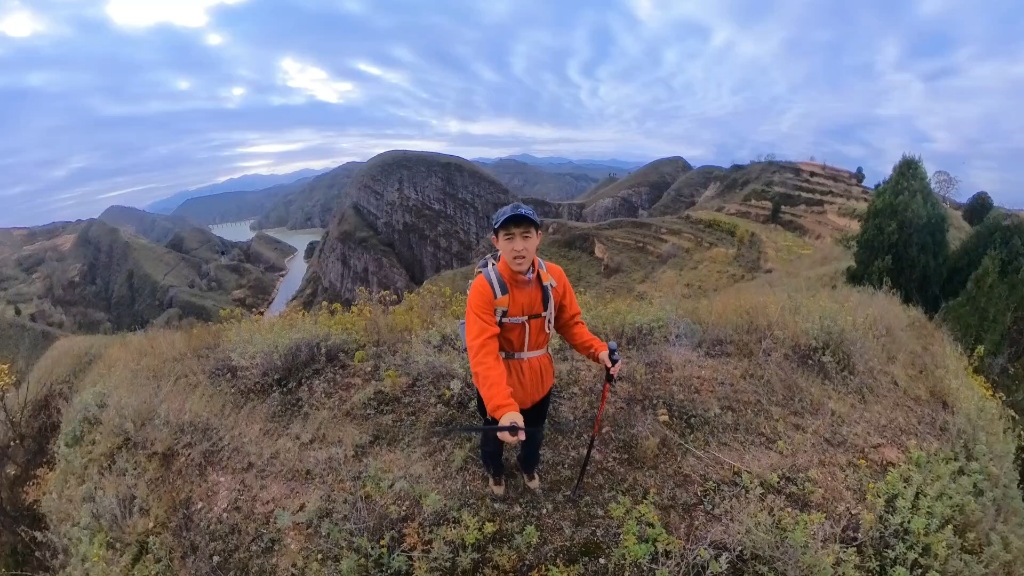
<point>489,268</point>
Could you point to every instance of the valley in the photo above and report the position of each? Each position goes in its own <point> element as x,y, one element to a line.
<point>299,239</point>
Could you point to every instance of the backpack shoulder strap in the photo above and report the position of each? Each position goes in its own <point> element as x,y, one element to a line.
<point>547,294</point>
<point>489,268</point>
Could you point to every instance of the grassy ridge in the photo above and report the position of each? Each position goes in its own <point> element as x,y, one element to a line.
<point>774,425</point>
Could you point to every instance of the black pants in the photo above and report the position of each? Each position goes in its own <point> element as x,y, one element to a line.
<point>492,448</point>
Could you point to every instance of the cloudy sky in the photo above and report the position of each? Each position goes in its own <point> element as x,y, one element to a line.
<point>126,101</point>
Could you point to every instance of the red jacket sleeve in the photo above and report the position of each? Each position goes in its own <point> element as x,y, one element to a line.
<point>485,363</point>
<point>569,320</point>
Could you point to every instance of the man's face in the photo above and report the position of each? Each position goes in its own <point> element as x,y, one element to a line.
<point>518,246</point>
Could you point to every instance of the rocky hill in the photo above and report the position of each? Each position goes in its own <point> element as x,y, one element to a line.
<point>157,228</point>
<point>234,206</point>
<point>405,217</point>
<point>635,194</point>
<point>312,204</point>
<point>131,268</point>
<point>527,180</point>
<point>817,201</point>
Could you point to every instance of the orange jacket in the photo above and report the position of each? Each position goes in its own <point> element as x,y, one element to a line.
<point>508,385</point>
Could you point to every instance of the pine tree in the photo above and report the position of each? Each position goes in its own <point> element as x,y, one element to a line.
<point>902,243</point>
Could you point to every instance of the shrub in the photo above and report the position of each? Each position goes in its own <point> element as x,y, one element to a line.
<point>776,210</point>
<point>937,514</point>
<point>978,208</point>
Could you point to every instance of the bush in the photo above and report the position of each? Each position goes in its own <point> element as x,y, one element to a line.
<point>936,514</point>
<point>978,208</point>
<point>776,210</point>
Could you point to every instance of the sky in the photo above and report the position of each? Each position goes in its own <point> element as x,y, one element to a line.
<point>126,101</point>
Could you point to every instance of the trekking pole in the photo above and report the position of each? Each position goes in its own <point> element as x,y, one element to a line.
<point>613,355</point>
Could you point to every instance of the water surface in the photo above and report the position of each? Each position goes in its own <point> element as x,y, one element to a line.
<point>240,232</point>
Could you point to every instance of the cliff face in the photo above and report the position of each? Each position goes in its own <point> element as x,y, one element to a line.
<point>405,217</point>
<point>634,195</point>
<point>556,210</point>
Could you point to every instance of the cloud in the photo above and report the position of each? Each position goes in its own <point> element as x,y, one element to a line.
<point>20,24</point>
<point>313,81</point>
<point>144,13</point>
<point>90,110</point>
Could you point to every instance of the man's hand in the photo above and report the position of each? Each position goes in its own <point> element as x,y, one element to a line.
<point>509,419</point>
<point>606,361</point>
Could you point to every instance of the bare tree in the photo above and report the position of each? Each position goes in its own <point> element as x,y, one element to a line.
<point>945,185</point>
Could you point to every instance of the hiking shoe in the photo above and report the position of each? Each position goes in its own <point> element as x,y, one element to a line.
<point>532,480</point>
<point>497,485</point>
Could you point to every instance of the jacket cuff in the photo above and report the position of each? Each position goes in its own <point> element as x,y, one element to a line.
<point>500,410</point>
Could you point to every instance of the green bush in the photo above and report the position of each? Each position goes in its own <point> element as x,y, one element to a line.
<point>938,514</point>
<point>978,208</point>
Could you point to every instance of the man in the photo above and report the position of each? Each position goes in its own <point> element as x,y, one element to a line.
<point>512,368</point>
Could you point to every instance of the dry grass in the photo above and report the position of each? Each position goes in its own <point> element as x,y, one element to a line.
<point>751,431</point>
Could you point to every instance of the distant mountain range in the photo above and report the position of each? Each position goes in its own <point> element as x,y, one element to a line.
<point>596,169</point>
<point>547,160</point>
<point>243,183</point>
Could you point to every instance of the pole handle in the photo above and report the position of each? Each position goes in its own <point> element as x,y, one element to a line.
<point>613,356</point>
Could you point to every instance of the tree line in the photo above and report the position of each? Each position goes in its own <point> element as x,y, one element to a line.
<point>975,289</point>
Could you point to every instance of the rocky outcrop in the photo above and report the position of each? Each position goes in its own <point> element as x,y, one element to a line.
<point>634,195</point>
<point>556,210</point>
<point>310,250</point>
<point>405,217</point>
<point>687,191</point>
<point>268,253</point>
<point>312,204</point>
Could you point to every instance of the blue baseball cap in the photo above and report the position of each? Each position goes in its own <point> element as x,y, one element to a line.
<point>513,210</point>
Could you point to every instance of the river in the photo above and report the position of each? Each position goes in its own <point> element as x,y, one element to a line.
<point>240,232</point>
